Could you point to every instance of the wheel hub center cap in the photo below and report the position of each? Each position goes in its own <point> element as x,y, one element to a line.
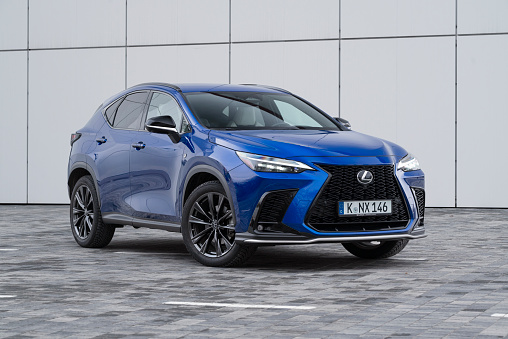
<point>215,225</point>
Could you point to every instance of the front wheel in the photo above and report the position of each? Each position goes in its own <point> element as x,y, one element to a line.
<point>208,230</point>
<point>375,249</point>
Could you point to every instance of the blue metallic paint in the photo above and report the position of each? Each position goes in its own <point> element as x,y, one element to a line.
<point>150,183</point>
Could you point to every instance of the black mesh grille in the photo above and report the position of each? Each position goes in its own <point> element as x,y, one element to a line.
<point>274,206</point>
<point>344,186</point>
<point>420,200</point>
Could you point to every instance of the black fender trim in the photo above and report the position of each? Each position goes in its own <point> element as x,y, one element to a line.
<point>216,173</point>
<point>88,168</point>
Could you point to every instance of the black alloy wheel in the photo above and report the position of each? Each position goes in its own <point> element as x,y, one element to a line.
<point>208,228</point>
<point>82,212</point>
<point>87,226</point>
<point>212,231</point>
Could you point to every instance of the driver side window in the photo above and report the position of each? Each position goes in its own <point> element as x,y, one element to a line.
<point>164,104</point>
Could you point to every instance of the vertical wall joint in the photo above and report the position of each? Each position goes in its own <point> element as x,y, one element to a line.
<point>229,41</point>
<point>456,101</point>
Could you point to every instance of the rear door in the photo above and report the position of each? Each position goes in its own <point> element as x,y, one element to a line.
<point>112,153</point>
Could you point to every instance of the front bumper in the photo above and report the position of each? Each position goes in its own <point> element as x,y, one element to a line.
<point>303,190</point>
<point>294,239</point>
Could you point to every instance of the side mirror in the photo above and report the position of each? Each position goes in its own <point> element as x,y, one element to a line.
<point>344,122</point>
<point>163,124</point>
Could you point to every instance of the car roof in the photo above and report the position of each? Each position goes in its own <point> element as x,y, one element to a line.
<point>198,87</point>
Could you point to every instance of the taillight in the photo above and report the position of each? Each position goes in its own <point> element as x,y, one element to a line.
<point>74,137</point>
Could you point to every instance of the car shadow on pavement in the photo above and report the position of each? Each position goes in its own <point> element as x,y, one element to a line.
<point>297,258</point>
<point>267,258</point>
<point>148,246</point>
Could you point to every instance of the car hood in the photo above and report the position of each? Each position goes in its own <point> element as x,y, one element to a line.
<point>305,143</point>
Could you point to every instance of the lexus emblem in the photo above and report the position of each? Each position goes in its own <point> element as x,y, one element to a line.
<point>364,177</point>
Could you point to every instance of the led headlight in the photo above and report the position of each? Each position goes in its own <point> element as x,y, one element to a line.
<point>262,163</point>
<point>408,163</point>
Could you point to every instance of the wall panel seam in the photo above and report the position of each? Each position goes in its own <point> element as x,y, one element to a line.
<point>456,120</point>
<point>229,41</point>
<point>340,51</point>
<point>72,48</point>
<point>14,50</point>
<point>246,42</point>
<point>125,60</point>
<point>27,86</point>
<point>481,34</point>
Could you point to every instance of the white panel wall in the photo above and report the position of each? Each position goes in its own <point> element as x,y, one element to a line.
<point>395,79</point>
<point>196,63</point>
<point>13,27</point>
<point>66,87</point>
<point>262,20</point>
<point>487,16</point>
<point>402,90</point>
<point>374,18</point>
<point>482,120</point>
<point>77,23</point>
<point>13,86</point>
<point>309,69</point>
<point>177,21</point>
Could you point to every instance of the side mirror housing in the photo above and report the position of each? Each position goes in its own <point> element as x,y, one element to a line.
<point>344,122</point>
<point>163,124</point>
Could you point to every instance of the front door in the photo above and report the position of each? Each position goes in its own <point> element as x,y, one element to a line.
<point>155,164</point>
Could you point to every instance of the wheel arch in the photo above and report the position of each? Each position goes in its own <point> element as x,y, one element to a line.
<point>200,174</point>
<point>78,170</point>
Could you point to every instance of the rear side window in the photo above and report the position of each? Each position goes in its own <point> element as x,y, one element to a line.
<point>129,112</point>
<point>110,112</point>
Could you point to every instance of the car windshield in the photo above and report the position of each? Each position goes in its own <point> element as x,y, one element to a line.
<point>255,110</point>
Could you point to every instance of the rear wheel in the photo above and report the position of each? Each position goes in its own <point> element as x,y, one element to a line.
<point>375,249</point>
<point>87,226</point>
<point>208,230</point>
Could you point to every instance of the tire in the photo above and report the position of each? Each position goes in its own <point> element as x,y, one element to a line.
<point>376,249</point>
<point>207,229</point>
<point>87,226</point>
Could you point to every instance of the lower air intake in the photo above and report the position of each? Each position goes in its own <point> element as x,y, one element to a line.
<point>420,200</point>
<point>272,209</point>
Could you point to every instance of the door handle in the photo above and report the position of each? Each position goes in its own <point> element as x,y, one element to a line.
<point>139,145</point>
<point>101,141</point>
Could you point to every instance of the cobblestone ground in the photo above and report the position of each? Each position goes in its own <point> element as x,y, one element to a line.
<point>453,284</point>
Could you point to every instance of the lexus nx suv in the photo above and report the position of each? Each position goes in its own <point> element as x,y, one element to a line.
<point>234,167</point>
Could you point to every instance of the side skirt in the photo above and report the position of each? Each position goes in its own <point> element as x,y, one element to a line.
<point>121,219</point>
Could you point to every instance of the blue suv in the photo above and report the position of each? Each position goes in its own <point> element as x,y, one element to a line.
<point>234,167</point>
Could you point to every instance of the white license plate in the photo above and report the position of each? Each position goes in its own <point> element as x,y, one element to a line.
<point>368,207</point>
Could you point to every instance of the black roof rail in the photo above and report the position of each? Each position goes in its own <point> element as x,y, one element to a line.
<point>269,87</point>
<point>159,84</point>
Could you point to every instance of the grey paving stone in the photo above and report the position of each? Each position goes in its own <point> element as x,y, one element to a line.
<point>447,285</point>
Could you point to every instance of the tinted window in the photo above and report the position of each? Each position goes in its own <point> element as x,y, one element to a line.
<point>294,116</point>
<point>256,110</point>
<point>110,112</point>
<point>164,104</point>
<point>130,111</point>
